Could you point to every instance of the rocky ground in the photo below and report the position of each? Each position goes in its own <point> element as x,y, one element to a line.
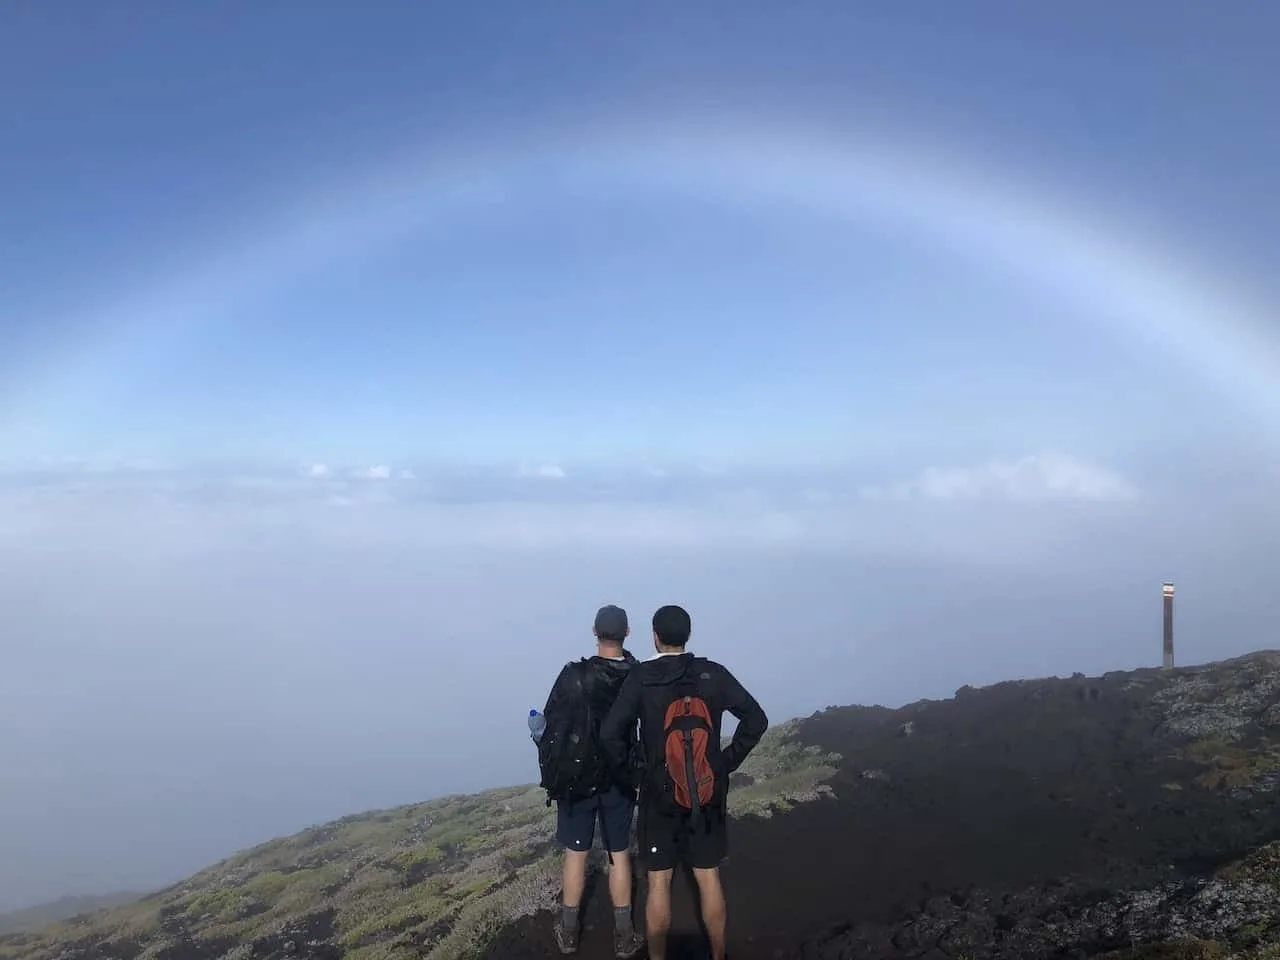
<point>1130,816</point>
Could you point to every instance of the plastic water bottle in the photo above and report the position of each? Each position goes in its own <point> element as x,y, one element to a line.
<point>537,724</point>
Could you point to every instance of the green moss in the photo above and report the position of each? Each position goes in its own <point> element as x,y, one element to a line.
<point>418,858</point>
<point>1261,866</point>
<point>375,951</point>
<point>223,905</point>
<point>472,890</point>
<point>360,868</point>
<point>1252,933</point>
<point>268,886</point>
<point>1229,765</point>
<point>783,771</point>
<point>1176,950</point>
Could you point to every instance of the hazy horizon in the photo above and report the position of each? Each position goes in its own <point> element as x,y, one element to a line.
<point>270,665</point>
<point>350,361</point>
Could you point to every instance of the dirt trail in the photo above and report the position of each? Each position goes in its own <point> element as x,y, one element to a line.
<point>1004,788</point>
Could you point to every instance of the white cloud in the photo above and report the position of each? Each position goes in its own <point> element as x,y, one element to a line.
<point>94,465</point>
<point>1039,477</point>
<point>546,471</point>
<point>990,512</point>
<point>323,471</point>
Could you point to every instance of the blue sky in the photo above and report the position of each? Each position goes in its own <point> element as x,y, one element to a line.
<point>344,351</point>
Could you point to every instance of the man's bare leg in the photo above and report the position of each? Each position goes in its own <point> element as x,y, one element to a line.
<point>627,942</point>
<point>575,877</point>
<point>657,913</point>
<point>575,884</point>
<point>714,911</point>
<point>620,879</point>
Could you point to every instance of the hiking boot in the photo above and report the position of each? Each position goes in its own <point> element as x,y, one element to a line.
<point>566,939</point>
<point>627,944</point>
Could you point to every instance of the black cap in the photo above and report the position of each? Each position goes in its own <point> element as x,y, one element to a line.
<point>611,623</point>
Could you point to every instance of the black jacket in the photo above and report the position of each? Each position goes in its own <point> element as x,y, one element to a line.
<point>645,696</point>
<point>602,681</point>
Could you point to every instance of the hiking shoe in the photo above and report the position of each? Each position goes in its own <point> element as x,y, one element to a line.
<point>627,944</point>
<point>566,939</point>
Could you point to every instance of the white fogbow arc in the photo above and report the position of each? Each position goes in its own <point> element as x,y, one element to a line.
<point>1128,284</point>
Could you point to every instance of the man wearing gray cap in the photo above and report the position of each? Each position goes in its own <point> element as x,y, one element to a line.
<point>580,780</point>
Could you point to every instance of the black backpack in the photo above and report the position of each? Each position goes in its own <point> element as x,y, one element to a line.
<point>569,756</point>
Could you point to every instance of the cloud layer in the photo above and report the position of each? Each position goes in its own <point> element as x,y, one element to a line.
<point>549,504</point>
<point>1034,478</point>
<point>191,649</point>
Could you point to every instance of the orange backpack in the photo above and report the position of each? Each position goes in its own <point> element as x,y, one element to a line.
<point>689,731</point>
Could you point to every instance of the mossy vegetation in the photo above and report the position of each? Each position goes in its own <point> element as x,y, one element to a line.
<point>782,772</point>
<point>1261,866</point>
<point>1231,765</point>
<point>432,880</point>
<point>35,918</point>
<point>1175,950</point>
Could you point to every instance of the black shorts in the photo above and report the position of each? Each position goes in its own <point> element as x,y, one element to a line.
<point>670,838</point>
<point>576,822</point>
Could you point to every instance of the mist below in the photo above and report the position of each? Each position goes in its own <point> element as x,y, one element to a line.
<point>163,708</point>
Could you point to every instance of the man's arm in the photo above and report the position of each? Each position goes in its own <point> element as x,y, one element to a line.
<point>752,722</point>
<point>617,725</point>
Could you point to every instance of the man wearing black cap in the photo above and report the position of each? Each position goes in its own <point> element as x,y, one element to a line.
<point>598,679</point>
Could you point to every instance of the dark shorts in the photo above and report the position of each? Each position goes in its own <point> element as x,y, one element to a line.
<point>671,838</point>
<point>576,822</point>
